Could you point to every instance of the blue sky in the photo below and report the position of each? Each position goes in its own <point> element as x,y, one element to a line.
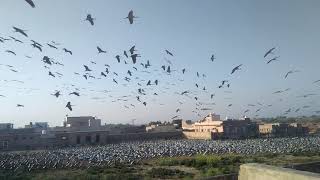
<point>236,32</point>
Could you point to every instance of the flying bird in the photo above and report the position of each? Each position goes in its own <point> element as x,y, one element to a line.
<point>11,52</point>
<point>125,53</point>
<point>270,51</point>
<point>74,93</point>
<point>183,71</point>
<point>50,74</point>
<point>103,74</point>
<point>168,52</point>
<point>30,2</point>
<point>20,31</point>
<point>131,17</point>
<point>100,50</point>
<point>118,58</point>
<point>90,19</point>
<point>52,46</point>
<point>57,94</point>
<point>20,105</point>
<point>273,59</point>
<point>212,58</point>
<point>67,51</point>
<point>15,39</point>
<point>290,72</point>
<point>236,68</point>
<point>134,58</point>
<point>69,106</point>
<point>87,68</point>
<point>132,49</point>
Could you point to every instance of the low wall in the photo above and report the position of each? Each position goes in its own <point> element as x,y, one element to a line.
<point>197,135</point>
<point>253,171</point>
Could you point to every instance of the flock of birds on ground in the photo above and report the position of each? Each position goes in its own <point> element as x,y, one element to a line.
<point>133,63</point>
<point>134,152</point>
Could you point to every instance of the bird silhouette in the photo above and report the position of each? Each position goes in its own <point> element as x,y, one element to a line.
<point>50,74</point>
<point>87,68</point>
<point>52,46</point>
<point>115,81</point>
<point>134,58</point>
<point>270,51</point>
<point>130,17</point>
<point>183,71</point>
<point>212,57</point>
<point>69,106</point>
<point>74,93</point>
<point>57,94</point>
<point>168,69</point>
<point>90,19</point>
<point>20,31</point>
<point>20,105</point>
<point>15,39</point>
<point>290,72</point>
<point>30,2</point>
<point>100,50</point>
<point>273,59</point>
<point>103,74</point>
<point>129,72</point>
<point>236,68</point>
<point>67,51</point>
<point>125,53</point>
<point>144,103</point>
<point>132,49</point>
<point>168,52</point>
<point>11,52</point>
<point>156,82</point>
<point>34,45</point>
<point>118,58</point>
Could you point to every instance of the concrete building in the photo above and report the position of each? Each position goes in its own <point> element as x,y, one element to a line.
<point>83,123</point>
<point>6,126</point>
<point>38,125</point>
<point>239,129</point>
<point>210,123</point>
<point>85,130</point>
<point>161,128</point>
<point>282,129</point>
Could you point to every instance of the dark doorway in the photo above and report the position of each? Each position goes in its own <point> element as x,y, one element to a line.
<point>97,138</point>
<point>88,139</point>
<point>78,139</point>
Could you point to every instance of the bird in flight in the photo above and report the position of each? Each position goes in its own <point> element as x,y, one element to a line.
<point>273,59</point>
<point>270,51</point>
<point>134,58</point>
<point>69,106</point>
<point>67,51</point>
<point>15,39</point>
<point>86,68</point>
<point>100,50</point>
<point>56,94</point>
<point>130,17</point>
<point>75,93</point>
<point>118,58</point>
<point>11,52</point>
<point>90,19</point>
<point>212,57</point>
<point>50,74</point>
<point>290,72</point>
<point>236,68</point>
<point>20,31</point>
<point>168,52</point>
<point>52,46</point>
<point>20,105</point>
<point>30,2</point>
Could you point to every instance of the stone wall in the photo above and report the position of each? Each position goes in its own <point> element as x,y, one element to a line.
<point>255,171</point>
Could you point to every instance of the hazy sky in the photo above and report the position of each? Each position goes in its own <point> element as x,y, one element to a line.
<point>236,32</point>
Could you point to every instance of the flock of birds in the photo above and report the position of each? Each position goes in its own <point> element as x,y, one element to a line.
<point>134,65</point>
<point>134,152</point>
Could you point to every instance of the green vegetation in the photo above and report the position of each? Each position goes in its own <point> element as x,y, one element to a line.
<point>193,167</point>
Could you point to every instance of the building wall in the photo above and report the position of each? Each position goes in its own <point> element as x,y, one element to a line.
<point>197,135</point>
<point>29,141</point>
